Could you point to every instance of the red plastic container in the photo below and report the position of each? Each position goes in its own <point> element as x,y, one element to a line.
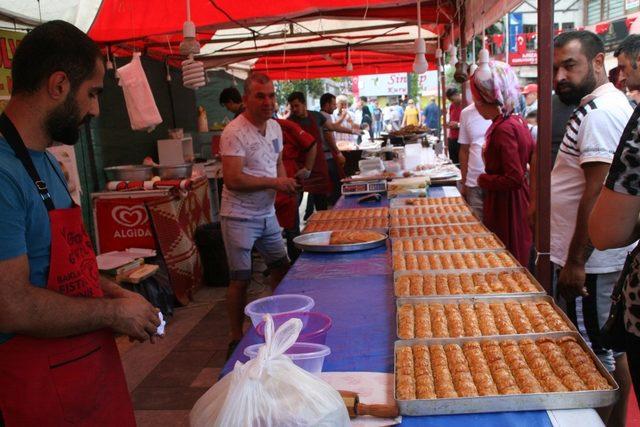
<point>316,325</point>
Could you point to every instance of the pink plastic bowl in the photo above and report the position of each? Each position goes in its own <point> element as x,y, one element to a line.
<point>314,330</point>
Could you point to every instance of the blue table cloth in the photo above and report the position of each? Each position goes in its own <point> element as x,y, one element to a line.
<point>356,291</point>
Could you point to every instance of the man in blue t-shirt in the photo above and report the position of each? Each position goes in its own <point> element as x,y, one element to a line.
<point>431,116</point>
<point>56,311</point>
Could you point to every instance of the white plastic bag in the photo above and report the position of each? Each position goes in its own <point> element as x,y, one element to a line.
<point>271,391</point>
<point>142,109</point>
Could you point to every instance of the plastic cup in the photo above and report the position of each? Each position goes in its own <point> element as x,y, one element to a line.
<point>277,304</point>
<point>316,326</point>
<point>308,356</point>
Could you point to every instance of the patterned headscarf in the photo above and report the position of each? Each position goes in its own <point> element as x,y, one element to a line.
<point>502,88</point>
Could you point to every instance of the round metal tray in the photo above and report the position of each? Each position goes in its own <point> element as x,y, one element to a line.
<point>319,242</point>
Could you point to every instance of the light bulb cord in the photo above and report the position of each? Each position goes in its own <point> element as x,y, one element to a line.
<point>419,19</point>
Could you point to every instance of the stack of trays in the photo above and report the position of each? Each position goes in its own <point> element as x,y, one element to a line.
<point>476,331</point>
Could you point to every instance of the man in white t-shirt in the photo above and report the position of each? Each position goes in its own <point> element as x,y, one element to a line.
<point>586,276</point>
<point>387,117</point>
<point>471,139</point>
<point>251,148</point>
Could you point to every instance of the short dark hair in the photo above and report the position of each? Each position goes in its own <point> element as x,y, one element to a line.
<point>533,114</point>
<point>51,47</point>
<point>230,94</point>
<point>326,98</point>
<point>256,77</point>
<point>452,91</point>
<point>614,74</point>
<point>590,43</point>
<point>296,96</point>
<point>630,47</point>
<point>364,99</point>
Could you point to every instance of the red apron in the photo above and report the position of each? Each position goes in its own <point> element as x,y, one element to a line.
<point>67,381</point>
<point>319,181</point>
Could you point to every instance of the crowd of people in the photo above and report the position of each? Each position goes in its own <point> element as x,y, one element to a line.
<point>593,228</point>
<point>493,139</point>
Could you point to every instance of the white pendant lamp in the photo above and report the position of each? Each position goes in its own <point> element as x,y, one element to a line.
<point>349,66</point>
<point>193,75</point>
<point>483,72</point>
<point>453,55</point>
<point>420,65</point>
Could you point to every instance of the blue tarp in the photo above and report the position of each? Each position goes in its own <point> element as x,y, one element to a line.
<point>356,291</point>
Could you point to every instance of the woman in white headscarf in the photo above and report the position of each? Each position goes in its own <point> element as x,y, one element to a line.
<point>507,151</point>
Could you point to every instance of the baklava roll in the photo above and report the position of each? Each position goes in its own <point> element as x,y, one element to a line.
<point>423,321</point>
<point>406,322</point>
<point>454,321</point>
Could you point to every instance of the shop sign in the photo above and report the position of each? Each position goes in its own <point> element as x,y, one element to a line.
<point>526,58</point>
<point>122,224</point>
<point>383,84</point>
<point>9,41</point>
<point>428,82</point>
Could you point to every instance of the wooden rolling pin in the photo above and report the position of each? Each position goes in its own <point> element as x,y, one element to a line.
<point>356,409</point>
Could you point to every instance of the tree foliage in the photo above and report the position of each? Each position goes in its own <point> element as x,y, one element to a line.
<point>312,87</point>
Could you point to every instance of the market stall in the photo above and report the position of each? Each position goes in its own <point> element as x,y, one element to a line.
<point>364,294</point>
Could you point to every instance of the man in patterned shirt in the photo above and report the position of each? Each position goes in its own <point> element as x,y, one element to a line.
<point>586,277</point>
<point>614,221</point>
<point>251,148</point>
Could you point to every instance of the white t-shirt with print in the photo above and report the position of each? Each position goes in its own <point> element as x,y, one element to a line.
<point>241,138</point>
<point>473,128</point>
<point>592,135</point>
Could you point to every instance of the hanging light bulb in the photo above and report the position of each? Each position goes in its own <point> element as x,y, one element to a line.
<point>166,67</point>
<point>483,72</point>
<point>453,55</point>
<point>109,64</point>
<point>189,44</point>
<point>438,53</point>
<point>193,73</point>
<point>349,66</point>
<point>420,64</point>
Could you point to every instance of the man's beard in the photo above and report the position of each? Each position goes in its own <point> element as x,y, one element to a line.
<point>572,93</point>
<point>63,123</point>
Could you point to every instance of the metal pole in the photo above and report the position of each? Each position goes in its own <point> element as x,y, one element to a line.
<point>445,131</point>
<point>543,177</point>
<point>506,39</point>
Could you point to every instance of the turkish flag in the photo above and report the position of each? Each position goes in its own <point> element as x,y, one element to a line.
<point>521,44</point>
<point>602,28</point>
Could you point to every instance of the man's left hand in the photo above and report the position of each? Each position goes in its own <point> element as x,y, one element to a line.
<point>340,160</point>
<point>571,283</point>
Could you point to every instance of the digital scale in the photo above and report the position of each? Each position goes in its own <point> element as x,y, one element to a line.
<point>364,187</point>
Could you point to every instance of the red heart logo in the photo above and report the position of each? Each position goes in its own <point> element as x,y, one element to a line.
<point>130,216</point>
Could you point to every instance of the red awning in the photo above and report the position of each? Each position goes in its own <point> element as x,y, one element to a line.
<point>119,20</point>
<point>334,64</point>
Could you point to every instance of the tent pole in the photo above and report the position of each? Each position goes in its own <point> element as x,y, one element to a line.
<point>443,100</point>
<point>543,147</point>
